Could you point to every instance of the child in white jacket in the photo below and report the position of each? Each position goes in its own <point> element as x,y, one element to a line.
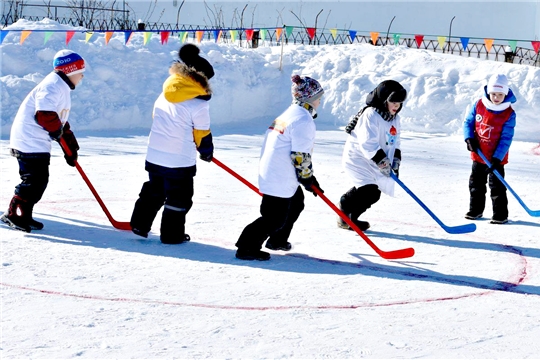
<point>372,151</point>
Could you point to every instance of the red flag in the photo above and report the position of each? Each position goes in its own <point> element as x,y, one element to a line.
<point>536,46</point>
<point>249,34</point>
<point>311,32</point>
<point>69,35</point>
<point>419,39</point>
<point>164,37</point>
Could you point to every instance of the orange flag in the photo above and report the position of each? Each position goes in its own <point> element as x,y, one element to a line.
<point>24,35</point>
<point>374,36</point>
<point>489,44</point>
<point>108,35</point>
<point>199,34</point>
<point>279,31</point>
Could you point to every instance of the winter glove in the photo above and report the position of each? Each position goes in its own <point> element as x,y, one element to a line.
<point>50,121</point>
<point>495,165</point>
<point>395,166</point>
<point>472,144</point>
<point>72,144</point>
<point>205,146</point>
<point>384,166</point>
<point>383,163</point>
<point>307,182</point>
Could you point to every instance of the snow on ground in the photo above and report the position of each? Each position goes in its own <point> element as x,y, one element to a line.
<point>82,289</point>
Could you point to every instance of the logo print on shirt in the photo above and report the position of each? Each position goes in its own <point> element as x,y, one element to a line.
<point>279,126</point>
<point>484,131</point>
<point>391,136</point>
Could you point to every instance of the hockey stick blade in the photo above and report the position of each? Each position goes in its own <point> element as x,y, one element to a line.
<point>116,224</point>
<point>389,255</point>
<point>498,175</point>
<point>460,229</point>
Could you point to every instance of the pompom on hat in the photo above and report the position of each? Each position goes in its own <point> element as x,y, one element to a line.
<point>68,62</point>
<point>498,83</point>
<point>189,54</point>
<point>306,89</point>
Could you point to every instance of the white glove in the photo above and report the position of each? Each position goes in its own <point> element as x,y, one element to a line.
<point>385,166</point>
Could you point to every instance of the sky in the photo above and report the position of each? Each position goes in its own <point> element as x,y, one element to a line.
<point>82,289</point>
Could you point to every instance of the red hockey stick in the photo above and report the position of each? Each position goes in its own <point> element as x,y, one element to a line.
<point>117,224</point>
<point>390,255</point>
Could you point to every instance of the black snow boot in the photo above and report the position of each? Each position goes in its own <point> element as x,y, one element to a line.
<point>34,224</point>
<point>18,215</point>
<point>252,254</point>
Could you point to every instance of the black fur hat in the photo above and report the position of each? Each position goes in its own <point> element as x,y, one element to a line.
<point>388,90</point>
<point>189,54</point>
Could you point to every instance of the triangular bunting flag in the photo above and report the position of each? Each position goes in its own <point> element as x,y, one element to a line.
<point>165,37</point>
<point>88,36</point>
<point>233,34</point>
<point>352,34</point>
<point>396,39</point>
<point>249,34</point>
<point>311,32</point>
<point>47,36</point>
<point>374,36</point>
<point>464,42</point>
<point>513,44</point>
<point>536,46</point>
<point>419,39</point>
<point>24,35</point>
<point>489,44</point>
<point>199,35</point>
<point>279,31</point>
<point>69,36</point>
<point>127,36</point>
<point>108,36</point>
<point>147,36</point>
<point>3,34</point>
<point>217,33</point>
<point>289,30</point>
<point>185,36</point>
<point>334,33</point>
<point>263,34</point>
<point>442,41</point>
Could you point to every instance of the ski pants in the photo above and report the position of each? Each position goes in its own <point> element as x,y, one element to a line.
<point>357,200</point>
<point>278,216</point>
<point>34,173</point>
<point>477,188</point>
<point>168,187</point>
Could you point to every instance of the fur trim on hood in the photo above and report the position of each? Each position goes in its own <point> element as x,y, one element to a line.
<point>185,83</point>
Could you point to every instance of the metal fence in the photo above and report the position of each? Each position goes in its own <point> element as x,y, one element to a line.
<point>299,35</point>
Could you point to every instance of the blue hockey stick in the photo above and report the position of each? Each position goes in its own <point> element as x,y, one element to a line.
<point>531,212</point>
<point>461,229</point>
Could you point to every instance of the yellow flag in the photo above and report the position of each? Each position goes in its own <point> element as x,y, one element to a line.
<point>147,36</point>
<point>334,33</point>
<point>108,35</point>
<point>489,44</point>
<point>24,35</point>
<point>374,36</point>
<point>199,34</point>
<point>88,36</point>
<point>442,41</point>
<point>233,35</point>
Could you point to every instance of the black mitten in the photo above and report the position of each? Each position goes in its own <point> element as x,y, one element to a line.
<point>495,165</point>
<point>472,144</point>
<point>206,148</point>
<point>72,144</point>
<point>307,182</point>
